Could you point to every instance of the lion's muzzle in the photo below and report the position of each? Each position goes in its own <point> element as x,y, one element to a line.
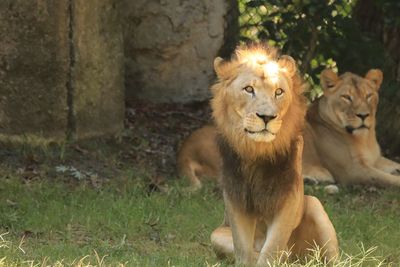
<point>261,128</point>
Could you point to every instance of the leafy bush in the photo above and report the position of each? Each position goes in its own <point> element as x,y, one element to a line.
<point>318,34</point>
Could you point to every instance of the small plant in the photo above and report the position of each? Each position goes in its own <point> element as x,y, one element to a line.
<point>75,173</point>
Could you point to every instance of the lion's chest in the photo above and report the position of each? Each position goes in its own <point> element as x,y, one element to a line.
<point>257,187</point>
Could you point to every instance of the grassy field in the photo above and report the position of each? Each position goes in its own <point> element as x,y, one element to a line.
<point>46,221</point>
<point>117,202</point>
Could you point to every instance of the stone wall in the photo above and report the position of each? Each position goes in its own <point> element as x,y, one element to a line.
<point>34,60</point>
<point>63,63</point>
<point>99,92</point>
<point>61,69</point>
<point>170,47</point>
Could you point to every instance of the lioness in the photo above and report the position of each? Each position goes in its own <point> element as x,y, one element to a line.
<point>258,109</point>
<point>340,139</point>
<point>199,157</point>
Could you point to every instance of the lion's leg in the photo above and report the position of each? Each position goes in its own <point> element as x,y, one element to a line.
<point>314,232</point>
<point>279,230</point>
<point>278,235</point>
<point>281,226</point>
<point>388,166</point>
<point>189,169</point>
<point>311,164</point>
<point>222,241</point>
<point>317,173</point>
<point>243,230</point>
<point>372,176</point>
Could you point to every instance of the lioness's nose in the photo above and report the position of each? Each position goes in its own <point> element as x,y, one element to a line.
<point>363,116</point>
<point>266,118</point>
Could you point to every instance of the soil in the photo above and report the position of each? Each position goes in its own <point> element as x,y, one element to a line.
<point>147,147</point>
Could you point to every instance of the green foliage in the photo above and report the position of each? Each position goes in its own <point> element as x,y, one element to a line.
<point>318,34</point>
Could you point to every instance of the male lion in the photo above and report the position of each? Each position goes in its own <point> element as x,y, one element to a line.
<point>340,139</point>
<point>259,111</point>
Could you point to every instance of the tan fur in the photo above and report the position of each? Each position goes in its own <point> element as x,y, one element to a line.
<point>331,154</point>
<point>199,157</point>
<point>266,210</point>
<point>335,145</point>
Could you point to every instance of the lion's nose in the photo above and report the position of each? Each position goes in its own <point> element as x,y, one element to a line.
<point>266,118</point>
<point>363,116</point>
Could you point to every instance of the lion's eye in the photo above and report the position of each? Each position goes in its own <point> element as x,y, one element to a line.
<point>347,98</point>
<point>279,92</point>
<point>330,85</point>
<point>249,89</point>
<point>369,96</point>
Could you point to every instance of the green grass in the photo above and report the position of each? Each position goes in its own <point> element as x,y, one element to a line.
<point>48,222</point>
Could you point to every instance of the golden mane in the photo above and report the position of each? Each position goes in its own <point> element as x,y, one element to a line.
<point>293,120</point>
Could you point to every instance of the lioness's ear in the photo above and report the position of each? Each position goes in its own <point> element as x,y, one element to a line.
<point>218,62</point>
<point>328,80</point>
<point>288,63</point>
<point>376,76</point>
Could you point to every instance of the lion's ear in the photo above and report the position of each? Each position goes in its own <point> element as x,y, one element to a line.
<point>376,76</point>
<point>328,80</point>
<point>288,63</point>
<point>218,66</point>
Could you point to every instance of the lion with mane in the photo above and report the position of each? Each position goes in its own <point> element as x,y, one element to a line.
<point>259,110</point>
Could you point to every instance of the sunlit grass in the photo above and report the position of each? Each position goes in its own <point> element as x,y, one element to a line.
<point>53,223</point>
<point>362,258</point>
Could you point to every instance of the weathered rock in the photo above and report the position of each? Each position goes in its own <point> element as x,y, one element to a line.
<point>98,97</point>
<point>61,69</point>
<point>170,47</point>
<point>34,61</point>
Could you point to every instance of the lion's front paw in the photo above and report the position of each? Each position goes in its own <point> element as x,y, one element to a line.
<point>310,180</point>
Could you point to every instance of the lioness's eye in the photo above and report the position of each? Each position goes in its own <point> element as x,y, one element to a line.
<point>330,85</point>
<point>369,96</point>
<point>279,92</point>
<point>347,98</point>
<point>249,89</point>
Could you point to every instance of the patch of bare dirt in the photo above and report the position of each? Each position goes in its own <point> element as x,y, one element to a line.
<point>154,133</point>
<point>149,143</point>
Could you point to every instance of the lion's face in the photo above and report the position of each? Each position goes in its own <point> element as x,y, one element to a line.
<point>258,93</point>
<point>257,102</point>
<point>350,101</point>
<point>261,95</point>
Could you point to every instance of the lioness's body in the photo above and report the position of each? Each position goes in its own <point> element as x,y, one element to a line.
<point>259,112</point>
<point>199,157</point>
<point>340,139</point>
<point>331,154</point>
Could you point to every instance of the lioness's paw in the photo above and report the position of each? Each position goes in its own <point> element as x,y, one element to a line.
<point>396,172</point>
<point>310,180</point>
<point>318,177</point>
<point>331,189</point>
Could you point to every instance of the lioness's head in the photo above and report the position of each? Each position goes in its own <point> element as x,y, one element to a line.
<point>257,93</point>
<point>350,101</point>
